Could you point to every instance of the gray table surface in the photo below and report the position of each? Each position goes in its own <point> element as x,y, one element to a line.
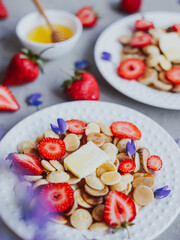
<point>49,83</point>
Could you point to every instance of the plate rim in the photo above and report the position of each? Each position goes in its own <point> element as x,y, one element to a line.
<point>96,59</point>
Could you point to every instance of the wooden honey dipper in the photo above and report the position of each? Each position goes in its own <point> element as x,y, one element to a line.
<point>56,36</point>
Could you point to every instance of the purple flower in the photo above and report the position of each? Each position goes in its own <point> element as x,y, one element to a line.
<point>106,56</point>
<point>81,64</point>
<point>62,126</point>
<point>33,99</point>
<point>131,148</point>
<point>162,192</point>
<point>178,141</point>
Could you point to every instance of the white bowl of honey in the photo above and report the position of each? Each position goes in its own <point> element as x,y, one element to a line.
<point>34,33</point>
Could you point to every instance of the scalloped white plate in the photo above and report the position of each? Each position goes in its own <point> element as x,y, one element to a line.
<point>108,41</point>
<point>150,222</point>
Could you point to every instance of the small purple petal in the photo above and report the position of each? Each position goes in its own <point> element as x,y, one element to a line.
<point>161,192</point>
<point>81,64</point>
<point>55,129</point>
<point>131,148</point>
<point>106,56</point>
<point>62,125</point>
<point>33,99</point>
<point>178,141</point>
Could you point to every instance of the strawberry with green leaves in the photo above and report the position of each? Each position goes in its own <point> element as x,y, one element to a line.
<point>82,86</point>
<point>23,68</point>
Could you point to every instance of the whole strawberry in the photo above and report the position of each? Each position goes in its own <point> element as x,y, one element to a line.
<point>3,10</point>
<point>82,86</point>
<point>130,6</point>
<point>23,68</point>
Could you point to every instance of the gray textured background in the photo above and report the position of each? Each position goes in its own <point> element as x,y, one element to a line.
<point>49,83</point>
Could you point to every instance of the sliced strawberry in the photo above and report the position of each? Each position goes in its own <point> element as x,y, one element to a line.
<point>27,164</point>
<point>131,69</point>
<point>173,75</point>
<point>176,27</point>
<point>143,25</point>
<point>125,130</point>
<point>52,148</point>
<point>87,16</point>
<point>141,41</point>
<point>3,10</point>
<point>76,126</point>
<point>127,166</point>
<point>154,163</point>
<point>7,100</point>
<point>119,209</point>
<point>57,197</point>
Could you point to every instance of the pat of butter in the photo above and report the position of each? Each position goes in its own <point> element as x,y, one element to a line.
<point>85,160</point>
<point>169,44</point>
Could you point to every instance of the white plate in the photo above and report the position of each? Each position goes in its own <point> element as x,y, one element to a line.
<point>108,41</point>
<point>151,221</point>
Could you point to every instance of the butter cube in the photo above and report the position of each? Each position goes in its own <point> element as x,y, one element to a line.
<point>169,44</point>
<point>85,160</point>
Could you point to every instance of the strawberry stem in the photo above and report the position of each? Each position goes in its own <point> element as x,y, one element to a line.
<point>43,51</point>
<point>67,73</point>
<point>126,227</point>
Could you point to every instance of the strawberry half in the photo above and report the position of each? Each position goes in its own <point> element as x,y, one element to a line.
<point>7,100</point>
<point>76,126</point>
<point>176,27</point>
<point>127,166</point>
<point>141,41</point>
<point>131,69</point>
<point>125,130</point>
<point>119,209</point>
<point>143,25</point>
<point>57,197</point>
<point>154,163</point>
<point>173,75</point>
<point>52,148</point>
<point>87,16</point>
<point>27,164</point>
<point>3,10</point>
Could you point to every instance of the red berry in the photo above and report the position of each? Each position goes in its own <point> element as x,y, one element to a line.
<point>27,164</point>
<point>3,10</point>
<point>57,197</point>
<point>7,100</point>
<point>52,148</point>
<point>76,126</point>
<point>154,163</point>
<point>141,41</point>
<point>119,208</point>
<point>131,69</point>
<point>143,25</point>
<point>127,166</point>
<point>173,75</point>
<point>125,130</point>
<point>131,6</point>
<point>23,68</point>
<point>83,86</point>
<point>176,27</point>
<point>87,16</point>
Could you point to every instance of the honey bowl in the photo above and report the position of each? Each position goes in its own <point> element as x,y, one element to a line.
<point>34,34</point>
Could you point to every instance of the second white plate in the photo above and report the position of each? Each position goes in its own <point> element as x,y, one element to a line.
<point>108,41</point>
